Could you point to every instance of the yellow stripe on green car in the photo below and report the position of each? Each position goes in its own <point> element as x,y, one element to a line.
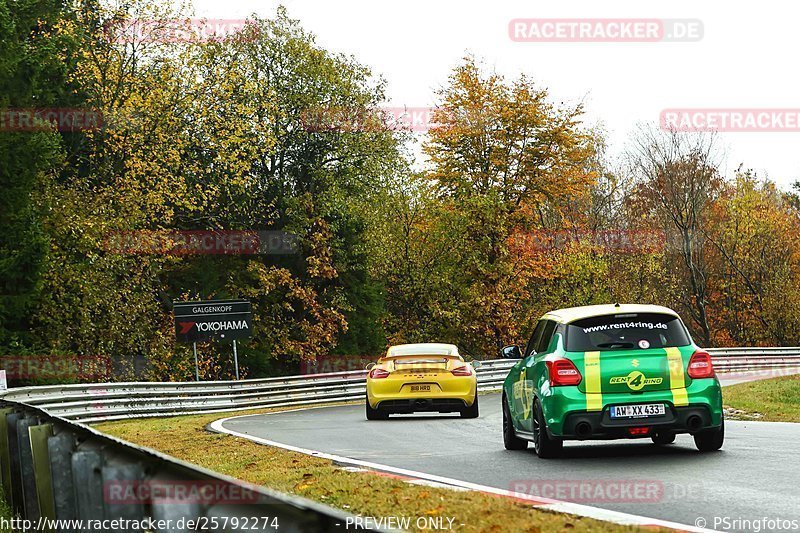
<point>677,380</point>
<point>591,372</point>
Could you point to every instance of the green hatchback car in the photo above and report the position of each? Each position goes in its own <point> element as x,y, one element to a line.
<point>610,372</point>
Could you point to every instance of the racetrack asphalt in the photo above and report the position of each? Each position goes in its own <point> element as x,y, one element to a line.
<point>755,476</point>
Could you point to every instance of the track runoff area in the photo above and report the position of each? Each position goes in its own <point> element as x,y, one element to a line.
<point>625,482</point>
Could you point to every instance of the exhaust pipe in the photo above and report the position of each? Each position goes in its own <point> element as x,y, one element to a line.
<point>583,429</point>
<point>694,423</point>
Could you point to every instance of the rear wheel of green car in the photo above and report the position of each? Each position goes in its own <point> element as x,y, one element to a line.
<point>710,440</point>
<point>510,440</point>
<point>546,446</point>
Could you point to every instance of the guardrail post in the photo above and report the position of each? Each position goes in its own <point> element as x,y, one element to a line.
<point>121,493</point>
<point>173,512</point>
<point>5,456</point>
<point>86,464</point>
<point>13,453</point>
<point>60,448</point>
<point>16,473</point>
<point>29,497</point>
<point>41,469</point>
<point>87,478</point>
<point>173,508</point>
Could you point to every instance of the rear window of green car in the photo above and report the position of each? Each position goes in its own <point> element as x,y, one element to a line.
<point>629,331</point>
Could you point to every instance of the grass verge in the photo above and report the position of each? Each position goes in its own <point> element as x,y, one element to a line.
<point>318,479</point>
<point>6,514</point>
<point>773,400</point>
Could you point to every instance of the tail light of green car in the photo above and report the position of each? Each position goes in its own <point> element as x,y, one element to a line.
<point>700,365</point>
<point>562,372</point>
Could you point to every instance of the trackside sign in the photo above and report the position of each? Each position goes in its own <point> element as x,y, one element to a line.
<point>220,319</point>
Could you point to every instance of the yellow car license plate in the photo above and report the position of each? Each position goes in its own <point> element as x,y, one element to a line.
<point>420,388</point>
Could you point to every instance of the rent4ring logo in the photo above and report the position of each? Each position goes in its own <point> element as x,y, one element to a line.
<point>635,380</point>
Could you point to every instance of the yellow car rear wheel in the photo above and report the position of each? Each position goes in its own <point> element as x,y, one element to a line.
<point>472,410</point>
<point>375,414</point>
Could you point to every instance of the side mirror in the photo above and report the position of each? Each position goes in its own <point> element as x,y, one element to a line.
<point>476,364</point>
<point>511,352</point>
<point>369,366</point>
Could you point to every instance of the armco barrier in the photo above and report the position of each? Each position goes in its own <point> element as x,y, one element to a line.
<point>113,401</point>
<point>56,469</point>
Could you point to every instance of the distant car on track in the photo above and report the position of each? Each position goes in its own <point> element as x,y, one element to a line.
<point>429,377</point>
<point>610,372</point>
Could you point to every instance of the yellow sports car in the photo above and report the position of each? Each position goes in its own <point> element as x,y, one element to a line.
<point>422,377</point>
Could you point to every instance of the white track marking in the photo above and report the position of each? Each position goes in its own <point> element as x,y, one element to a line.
<point>540,503</point>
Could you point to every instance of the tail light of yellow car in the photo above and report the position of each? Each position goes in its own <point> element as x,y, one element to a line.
<point>378,373</point>
<point>463,370</point>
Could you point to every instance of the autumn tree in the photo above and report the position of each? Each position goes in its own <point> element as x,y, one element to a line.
<point>754,234</point>
<point>412,251</point>
<point>32,75</point>
<point>311,181</point>
<point>212,135</point>
<point>503,159</point>
<point>128,174</point>
<point>678,183</point>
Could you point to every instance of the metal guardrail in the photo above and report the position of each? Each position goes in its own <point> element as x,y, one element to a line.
<point>113,401</point>
<point>53,469</point>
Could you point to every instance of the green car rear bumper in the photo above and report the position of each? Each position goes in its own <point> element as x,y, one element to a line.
<point>565,411</point>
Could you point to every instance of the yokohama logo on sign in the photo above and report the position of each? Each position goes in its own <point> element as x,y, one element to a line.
<point>221,326</point>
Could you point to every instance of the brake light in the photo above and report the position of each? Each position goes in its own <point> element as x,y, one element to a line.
<point>638,431</point>
<point>563,372</point>
<point>462,371</point>
<point>700,365</point>
<point>378,373</point>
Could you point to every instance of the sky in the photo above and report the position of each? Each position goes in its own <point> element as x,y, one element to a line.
<point>745,59</point>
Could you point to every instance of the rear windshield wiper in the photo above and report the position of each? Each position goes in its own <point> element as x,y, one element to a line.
<point>615,345</point>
